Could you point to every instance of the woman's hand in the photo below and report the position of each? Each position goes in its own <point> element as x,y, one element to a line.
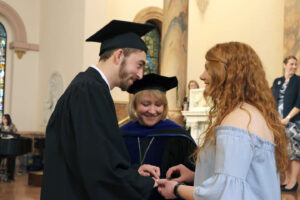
<point>166,188</point>
<point>186,175</point>
<point>285,121</point>
<point>149,170</point>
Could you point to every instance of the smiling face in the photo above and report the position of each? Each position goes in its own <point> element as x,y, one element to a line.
<point>131,69</point>
<point>151,107</point>
<point>4,120</point>
<point>206,78</point>
<point>290,67</point>
<point>193,85</point>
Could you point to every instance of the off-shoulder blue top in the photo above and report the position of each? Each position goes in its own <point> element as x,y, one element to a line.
<point>241,166</point>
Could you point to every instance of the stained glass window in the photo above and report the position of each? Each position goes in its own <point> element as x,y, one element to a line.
<point>3,41</point>
<point>152,40</point>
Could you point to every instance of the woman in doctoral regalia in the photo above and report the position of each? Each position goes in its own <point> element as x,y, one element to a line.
<point>150,137</point>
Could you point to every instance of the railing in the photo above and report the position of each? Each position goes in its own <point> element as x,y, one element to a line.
<point>124,121</point>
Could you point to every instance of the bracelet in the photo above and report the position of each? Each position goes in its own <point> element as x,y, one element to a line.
<point>288,116</point>
<point>176,190</point>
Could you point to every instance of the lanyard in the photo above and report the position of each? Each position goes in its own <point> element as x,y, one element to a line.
<point>142,159</point>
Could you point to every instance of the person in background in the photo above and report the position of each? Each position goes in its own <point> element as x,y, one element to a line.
<point>85,156</point>
<point>186,100</point>
<point>7,126</point>
<point>244,148</point>
<point>150,137</point>
<point>192,85</point>
<point>286,91</point>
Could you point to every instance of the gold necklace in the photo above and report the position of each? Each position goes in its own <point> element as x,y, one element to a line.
<point>142,159</point>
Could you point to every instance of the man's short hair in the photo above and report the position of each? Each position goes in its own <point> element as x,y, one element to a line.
<point>126,51</point>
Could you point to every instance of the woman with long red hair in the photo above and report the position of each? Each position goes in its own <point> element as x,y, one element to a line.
<point>244,148</point>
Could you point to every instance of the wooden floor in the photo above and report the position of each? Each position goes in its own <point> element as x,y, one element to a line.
<point>291,195</point>
<point>20,190</point>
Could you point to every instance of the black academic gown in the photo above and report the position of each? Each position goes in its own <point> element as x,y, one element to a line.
<point>164,145</point>
<point>86,157</point>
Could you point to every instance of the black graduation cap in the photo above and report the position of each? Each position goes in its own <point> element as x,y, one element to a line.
<point>121,34</point>
<point>153,81</point>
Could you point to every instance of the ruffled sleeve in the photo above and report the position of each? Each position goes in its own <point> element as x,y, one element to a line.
<point>232,162</point>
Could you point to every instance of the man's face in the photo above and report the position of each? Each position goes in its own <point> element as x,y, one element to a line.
<point>131,69</point>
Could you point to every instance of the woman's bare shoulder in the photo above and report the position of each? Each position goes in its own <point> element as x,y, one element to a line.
<point>240,117</point>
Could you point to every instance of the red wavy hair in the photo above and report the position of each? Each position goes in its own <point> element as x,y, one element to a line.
<point>237,76</point>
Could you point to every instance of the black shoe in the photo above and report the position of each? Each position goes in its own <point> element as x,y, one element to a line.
<point>293,189</point>
<point>282,186</point>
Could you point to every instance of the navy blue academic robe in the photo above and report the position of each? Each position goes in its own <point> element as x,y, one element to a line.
<point>164,145</point>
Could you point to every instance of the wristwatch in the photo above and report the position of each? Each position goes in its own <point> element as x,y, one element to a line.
<point>176,190</point>
<point>288,116</point>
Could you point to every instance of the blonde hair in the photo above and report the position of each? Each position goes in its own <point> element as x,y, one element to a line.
<point>237,76</point>
<point>139,95</point>
<point>192,81</point>
<point>189,85</point>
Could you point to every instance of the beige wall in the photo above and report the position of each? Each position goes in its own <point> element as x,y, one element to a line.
<point>61,45</point>
<point>291,29</point>
<point>127,10</point>
<point>258,23</point>
<point>61,26</point>
<point>95,18</point>
<point>22,74</point>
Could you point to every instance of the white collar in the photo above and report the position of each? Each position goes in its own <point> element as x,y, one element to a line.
<point>102,74</point>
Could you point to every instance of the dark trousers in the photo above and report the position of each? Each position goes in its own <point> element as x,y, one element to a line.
<point>10,166</point>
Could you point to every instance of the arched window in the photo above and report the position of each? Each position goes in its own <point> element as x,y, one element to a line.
<point>152,40</point>
<point>3,42</point>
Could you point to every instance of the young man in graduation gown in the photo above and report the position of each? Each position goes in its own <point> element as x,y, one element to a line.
<point>86,157</point>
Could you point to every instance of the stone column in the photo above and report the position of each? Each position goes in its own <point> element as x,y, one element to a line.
<point>197,121</point>
<point>174,52</point>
